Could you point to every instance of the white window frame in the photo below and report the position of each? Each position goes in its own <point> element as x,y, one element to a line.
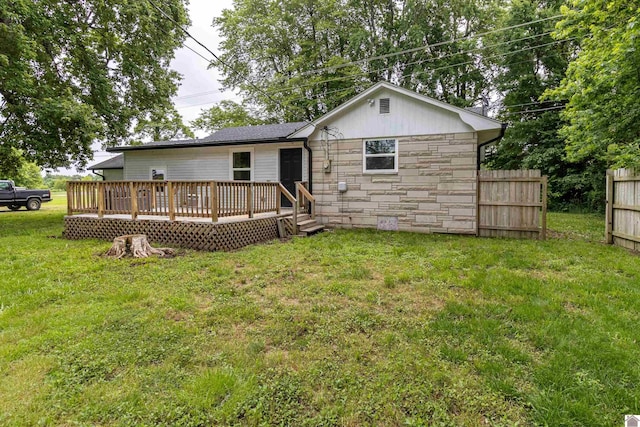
<point>379,171</point>
<point>241,150</point>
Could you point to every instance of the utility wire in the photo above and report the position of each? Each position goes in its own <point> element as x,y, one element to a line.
<point>416,49</point>
<point>364,73</point>
<point>217,58</point>
<point>420,61</point>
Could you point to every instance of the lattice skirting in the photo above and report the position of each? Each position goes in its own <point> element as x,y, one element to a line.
<point>193,235</point>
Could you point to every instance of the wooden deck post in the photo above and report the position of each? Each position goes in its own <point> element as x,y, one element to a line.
<point>278,200</point>
<point>545,184</point>
<point>172,207</point>
<point>214,201</point>
<point>610,193</point>
<point>134,200</point>
<point>100,199</point>
<point>69,199</point>
<point>250,199</point>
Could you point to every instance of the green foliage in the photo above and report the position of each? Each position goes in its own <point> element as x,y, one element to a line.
<point>528,67</point>
<point>225,114</point>
<point>14,167</point>
<point>298,59</point>
<point>75,72</point>
<point>602,82</point>
<point>29,176</point>
<point>59,182</point>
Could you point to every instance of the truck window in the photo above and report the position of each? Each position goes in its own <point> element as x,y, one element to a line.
<point>5,186</point>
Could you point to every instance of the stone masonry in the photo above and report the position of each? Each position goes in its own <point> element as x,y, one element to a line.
<point>434,190</point>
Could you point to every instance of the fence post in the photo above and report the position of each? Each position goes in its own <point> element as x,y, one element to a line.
<point>214,201</point>
<point>100,199</point>
<point>609,210</point>
<point>250,199</point>
<point>134,200</point>
<point>478,203</point>
<point>544,207</point>
<point>172,208</point>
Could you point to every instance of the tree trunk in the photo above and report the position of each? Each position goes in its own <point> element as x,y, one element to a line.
<point>137,246</point>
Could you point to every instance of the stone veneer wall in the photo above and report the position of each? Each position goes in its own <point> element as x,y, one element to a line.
<point>434,190</point>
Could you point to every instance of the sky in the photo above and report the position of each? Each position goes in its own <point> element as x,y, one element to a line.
<point>199,88</point>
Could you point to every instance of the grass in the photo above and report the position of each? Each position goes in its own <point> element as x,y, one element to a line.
<point>345,328</point>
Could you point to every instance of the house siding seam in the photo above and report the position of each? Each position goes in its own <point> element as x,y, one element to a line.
<point>434,190</point>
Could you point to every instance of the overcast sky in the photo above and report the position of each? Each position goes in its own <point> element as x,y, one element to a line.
<point>199,88</point>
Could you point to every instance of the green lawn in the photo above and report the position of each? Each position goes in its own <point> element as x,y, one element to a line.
<point>345,328</point>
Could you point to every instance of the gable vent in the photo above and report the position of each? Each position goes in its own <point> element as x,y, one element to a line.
<point>384,106</point>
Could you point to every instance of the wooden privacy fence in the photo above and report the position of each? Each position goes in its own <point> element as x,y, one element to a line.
<point>512,203</point>
<point>188,199</point>
<point>623,208</point>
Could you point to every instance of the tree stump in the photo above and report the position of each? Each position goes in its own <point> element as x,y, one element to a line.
<point>136,245</point>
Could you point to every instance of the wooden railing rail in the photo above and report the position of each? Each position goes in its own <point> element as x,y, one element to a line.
<point>185,199</point>
<point>294,203</point>
<point>306,199</point>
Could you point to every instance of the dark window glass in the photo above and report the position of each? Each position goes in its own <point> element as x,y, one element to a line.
<point>381,163</point>
<point>242,175</point>
<point>381,146</point>
<point>242,160</point>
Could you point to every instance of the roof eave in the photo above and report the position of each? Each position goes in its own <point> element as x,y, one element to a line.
<point>205,144</point>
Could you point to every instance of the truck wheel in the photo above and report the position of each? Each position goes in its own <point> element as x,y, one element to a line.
<point>33,204</point>
<point>14,207</point>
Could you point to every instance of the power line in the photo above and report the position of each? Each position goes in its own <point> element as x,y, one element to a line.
<point>197,94</point>
<point>557,107</point>
<point>418,62</point>
<point>217,58</point>
<point>364,73</point>
<point>416,49</point>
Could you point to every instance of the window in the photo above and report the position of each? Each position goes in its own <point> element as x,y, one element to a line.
<point>241,165</point>
<point>5,186</point>
<point>158,174</point>
<point>385,108</point>
<point>380,156</point>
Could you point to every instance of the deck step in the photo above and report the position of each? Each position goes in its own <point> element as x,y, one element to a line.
<point>307,223</point>
<point>314,229</point>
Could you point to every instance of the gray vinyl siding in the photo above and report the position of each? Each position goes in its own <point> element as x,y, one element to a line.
<point>207,163</point>
<point>113,174</point>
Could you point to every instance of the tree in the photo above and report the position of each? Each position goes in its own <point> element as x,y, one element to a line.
<point>75,72</point>
<point>602,82</point>
<point>529,62</point>
<point>225,114</point>
<point>299,59</point>
<point>17,169</point>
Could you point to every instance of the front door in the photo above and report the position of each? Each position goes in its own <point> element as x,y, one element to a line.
<point>290,171</point>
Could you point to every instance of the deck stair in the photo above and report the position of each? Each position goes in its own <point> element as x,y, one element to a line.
<point>308,226</point>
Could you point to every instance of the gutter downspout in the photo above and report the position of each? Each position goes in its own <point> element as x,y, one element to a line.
<point>96,173</point>
<point>502,131</point>
<point>309,161</point>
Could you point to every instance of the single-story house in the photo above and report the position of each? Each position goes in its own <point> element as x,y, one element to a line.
<point>111,169</point>
<point>388,158</point>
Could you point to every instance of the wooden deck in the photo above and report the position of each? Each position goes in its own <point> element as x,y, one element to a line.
<point>284,212</point>
<point>205,215</point>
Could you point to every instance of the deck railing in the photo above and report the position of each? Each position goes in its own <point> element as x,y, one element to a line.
<point>306,201</point>
<point>185,199</point>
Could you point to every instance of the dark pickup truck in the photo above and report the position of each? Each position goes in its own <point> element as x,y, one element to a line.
<point>15,197</point>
